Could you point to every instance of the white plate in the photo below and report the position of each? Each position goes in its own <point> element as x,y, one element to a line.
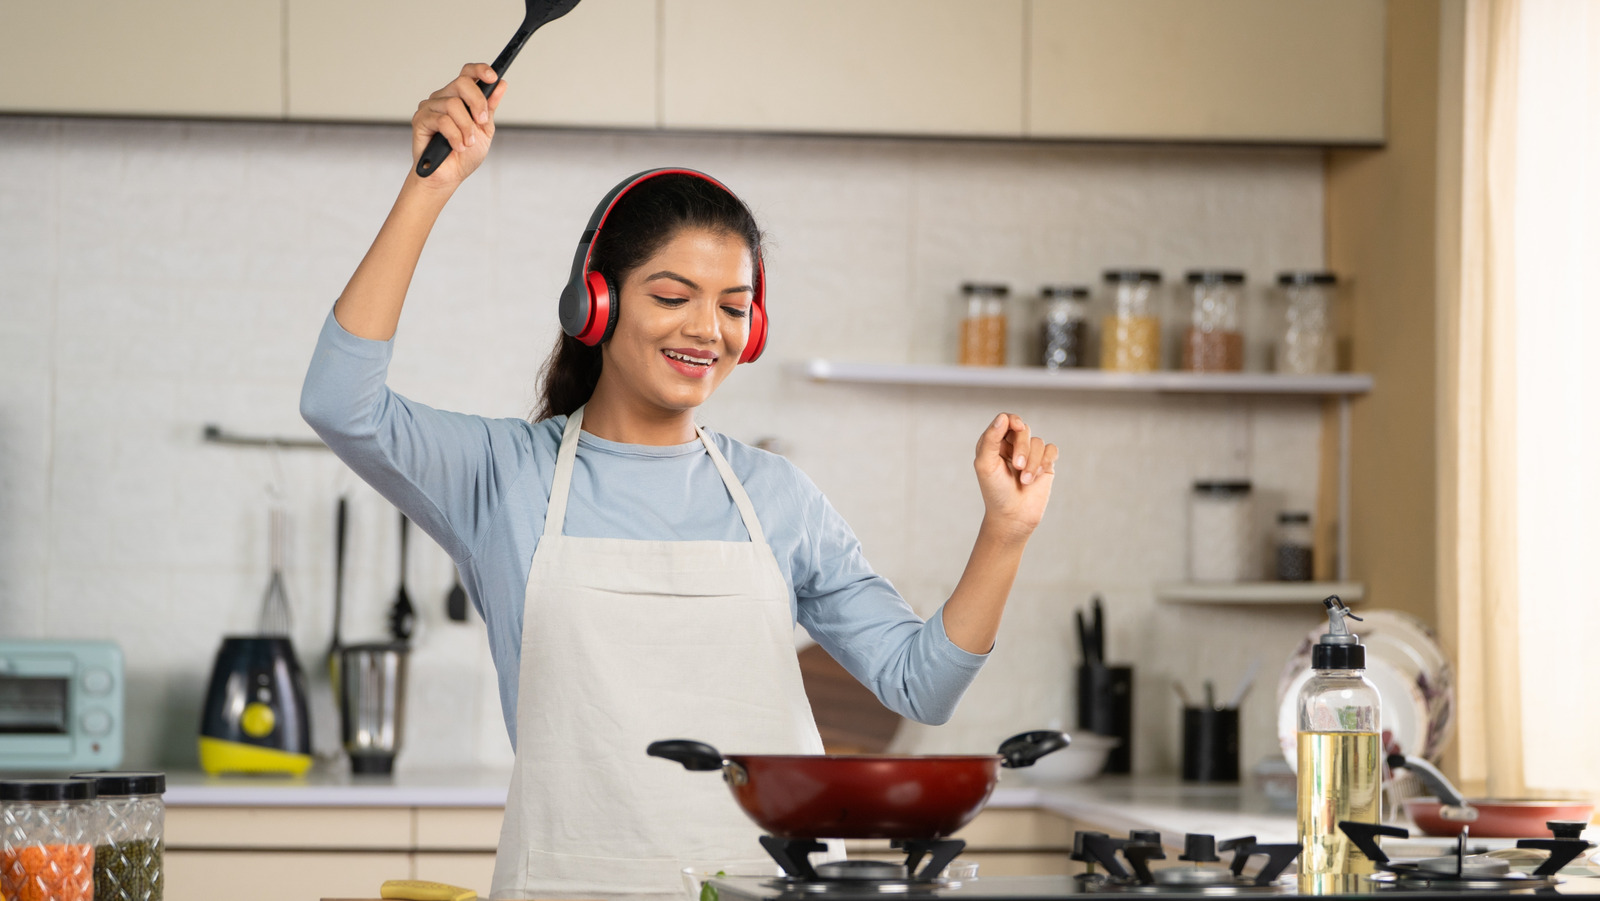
<point>1414,679</point>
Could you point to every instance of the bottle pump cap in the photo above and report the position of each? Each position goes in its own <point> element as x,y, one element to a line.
<point>1338,649</point>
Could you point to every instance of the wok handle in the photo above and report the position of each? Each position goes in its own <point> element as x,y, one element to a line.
<point>1439,785</point>
<point>694,755</point>
<point>1022,750</point>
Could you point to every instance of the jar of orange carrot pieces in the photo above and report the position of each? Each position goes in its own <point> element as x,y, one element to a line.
<point>47,837</point>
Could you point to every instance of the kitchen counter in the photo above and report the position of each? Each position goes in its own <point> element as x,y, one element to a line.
<point>1112,803</point>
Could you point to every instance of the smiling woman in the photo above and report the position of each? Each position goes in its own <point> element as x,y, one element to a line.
<point>640,576</point>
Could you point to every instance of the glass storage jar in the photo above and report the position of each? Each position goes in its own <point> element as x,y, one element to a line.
<point>128,857</point>
<point>1214,338</point>
<point>1292,546</point>
<point>1221,533</point>
<point>983,325</point>
<point>1306,340</point>
<point>48,830</point>
<point>1130,331</point>
<point>1064,332</point>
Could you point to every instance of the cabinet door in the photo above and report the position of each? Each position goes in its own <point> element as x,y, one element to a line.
<point>280,875</point>
<point>374,60</point>
<point>173,58</point>
<point>189,828</point>
<point>865,66</point>
<point>1309,71</point>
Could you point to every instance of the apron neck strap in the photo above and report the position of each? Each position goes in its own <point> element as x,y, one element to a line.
<point>556,517</point>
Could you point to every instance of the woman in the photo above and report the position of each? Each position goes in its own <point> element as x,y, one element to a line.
<point>640,577</point>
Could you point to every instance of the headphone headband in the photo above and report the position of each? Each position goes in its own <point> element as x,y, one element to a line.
<point>588,306</point>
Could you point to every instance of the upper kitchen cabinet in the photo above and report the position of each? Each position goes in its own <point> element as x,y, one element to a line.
<point>374,60</point>
<point>936,67</point>
<point>1308,71</point>
<point>173,58</point>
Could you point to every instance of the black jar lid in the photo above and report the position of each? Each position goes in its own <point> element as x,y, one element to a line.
<point>127,783</point>
<point>995,288</point>
<point>1215,277</point>
<point>1307,277</point>
<point>73,789</point>
<point>1338,656</point>
<point>1241,486</point>
<point>1064,291</point>
<point>1133,275</point>
<point>1290,517</point>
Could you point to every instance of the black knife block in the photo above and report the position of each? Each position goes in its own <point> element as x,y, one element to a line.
<point>1105,707</point>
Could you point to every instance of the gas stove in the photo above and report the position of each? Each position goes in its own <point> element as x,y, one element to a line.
<point>1122,865</point>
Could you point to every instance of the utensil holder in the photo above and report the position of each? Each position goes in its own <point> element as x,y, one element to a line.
<point>1105,707</point>
<point>1210,744</point>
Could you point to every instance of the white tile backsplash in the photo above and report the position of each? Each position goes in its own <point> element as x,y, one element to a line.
<point>159,276</point>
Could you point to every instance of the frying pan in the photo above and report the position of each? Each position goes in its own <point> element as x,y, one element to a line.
<point>861,795</point>
<point>537,13</point>
<point>1448,813</point>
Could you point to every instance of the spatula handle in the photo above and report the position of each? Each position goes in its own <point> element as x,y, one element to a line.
<point>439,146</point>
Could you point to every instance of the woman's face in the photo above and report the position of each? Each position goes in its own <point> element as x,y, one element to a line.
<point>682,321</point>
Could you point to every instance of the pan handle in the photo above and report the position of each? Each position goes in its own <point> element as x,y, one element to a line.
<point>694,755</point>
<point>1022,750</point>
<point>1452,806</point>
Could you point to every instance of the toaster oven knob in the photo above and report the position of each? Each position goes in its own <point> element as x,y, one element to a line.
<point>96,722</point>
<point>96,681</point>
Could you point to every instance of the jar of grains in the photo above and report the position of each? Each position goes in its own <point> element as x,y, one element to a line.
<point>128,858</point>
<point>1064,332</point>
<point>1214,339</point>
<point>48,830</point>
<point>1130,331</point>
<point>1292,546</point>
<point>1306,341</point>
<point>1221,535</point>
<point>983,325</point>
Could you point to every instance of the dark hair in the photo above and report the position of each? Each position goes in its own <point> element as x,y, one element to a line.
<point>649,215</point>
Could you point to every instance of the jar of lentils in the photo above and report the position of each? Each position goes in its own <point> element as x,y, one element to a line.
<point>48,831</point>
<point>128,858</point>
<point>1214,340</point>
<point>1064,331</point>
<point>1130,332</point>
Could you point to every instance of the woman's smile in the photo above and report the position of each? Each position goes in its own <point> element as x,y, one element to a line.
<point>691,362</point>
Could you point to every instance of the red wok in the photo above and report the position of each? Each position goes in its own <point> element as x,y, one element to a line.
<point>861,795</point>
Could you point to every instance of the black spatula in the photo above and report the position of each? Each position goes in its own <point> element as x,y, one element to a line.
<point>538,13</point>
<point>402,614</point>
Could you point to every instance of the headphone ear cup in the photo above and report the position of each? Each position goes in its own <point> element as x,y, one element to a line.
<point>609,314</point>
<point>757,340</point>
<point>600,313</point>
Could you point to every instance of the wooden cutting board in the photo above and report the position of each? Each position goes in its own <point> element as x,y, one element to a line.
<point>848,714</point>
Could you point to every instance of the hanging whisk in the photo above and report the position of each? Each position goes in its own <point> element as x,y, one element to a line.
<point>276,619</point>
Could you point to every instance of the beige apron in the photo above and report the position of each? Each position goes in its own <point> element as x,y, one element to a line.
<point>623,643</point>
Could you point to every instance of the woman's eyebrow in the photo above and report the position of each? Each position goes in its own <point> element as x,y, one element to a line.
<point>667,273</point>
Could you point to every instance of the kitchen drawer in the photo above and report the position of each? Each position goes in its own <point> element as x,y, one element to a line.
<point>1017,828</point>
<point>387,828</point>
<point>1023,863</point>
<point>458,829</point>
<point>280,875</point>
<point>468,869</point>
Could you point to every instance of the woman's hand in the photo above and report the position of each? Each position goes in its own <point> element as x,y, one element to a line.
<point>1015,472</point>
<point>461,113</point>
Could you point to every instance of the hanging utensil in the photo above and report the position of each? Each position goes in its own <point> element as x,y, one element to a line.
<point>402,615</point>
<point>338,595</point>
<point>537,13</point>
<point>275,618</point>
<point>455,603</point>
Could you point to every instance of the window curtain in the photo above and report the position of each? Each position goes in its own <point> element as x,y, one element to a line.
<point>1520,422</point>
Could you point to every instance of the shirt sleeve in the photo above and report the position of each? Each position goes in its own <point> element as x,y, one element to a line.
<point>858,616</point>
<point>446,471</point>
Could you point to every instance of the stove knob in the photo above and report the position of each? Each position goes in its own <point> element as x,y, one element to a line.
<point>1566,828</point>
<point>1199,848</point>
<point>1145,835</point>
<point>1079,851</point>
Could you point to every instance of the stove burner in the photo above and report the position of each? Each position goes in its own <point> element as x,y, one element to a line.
<point>794,855</point>
<point>1132,873</point>
<point>1470,871</point>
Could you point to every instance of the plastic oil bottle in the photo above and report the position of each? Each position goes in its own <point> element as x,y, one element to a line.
<point>1340,758</point>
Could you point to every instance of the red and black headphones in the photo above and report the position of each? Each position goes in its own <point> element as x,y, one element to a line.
<point>589,301</point>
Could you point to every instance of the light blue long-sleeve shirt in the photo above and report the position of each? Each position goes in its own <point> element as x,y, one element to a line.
<point>480,486</point>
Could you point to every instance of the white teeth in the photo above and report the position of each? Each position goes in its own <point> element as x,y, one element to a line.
<point>697,361</point>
